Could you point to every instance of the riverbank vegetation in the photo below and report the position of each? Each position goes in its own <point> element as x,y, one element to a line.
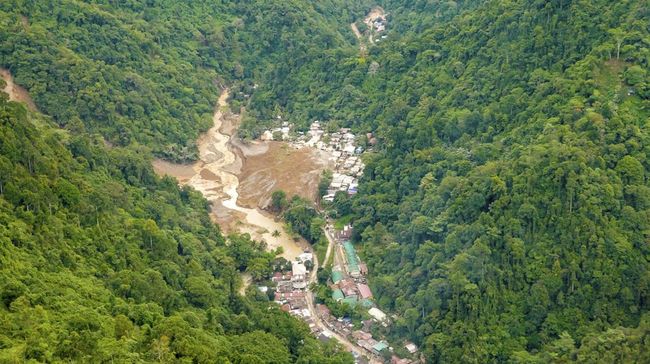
<point>103,261</point>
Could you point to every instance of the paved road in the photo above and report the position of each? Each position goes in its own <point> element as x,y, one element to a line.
<point>309,296</point>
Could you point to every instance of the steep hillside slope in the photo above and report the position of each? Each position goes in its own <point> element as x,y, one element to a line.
<point>149,74</point>
<point>505,212</point>
<point>101,261</point>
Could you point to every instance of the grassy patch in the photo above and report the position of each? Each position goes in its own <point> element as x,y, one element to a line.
<point>320,249</point>
<point>342,221</point>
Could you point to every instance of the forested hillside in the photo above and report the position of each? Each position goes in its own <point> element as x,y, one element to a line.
<point>149,74</point>
<point>102,261</point>
<point>506,212</point>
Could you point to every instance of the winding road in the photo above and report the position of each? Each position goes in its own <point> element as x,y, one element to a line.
<point>212,177</point>
<point>309,296</point>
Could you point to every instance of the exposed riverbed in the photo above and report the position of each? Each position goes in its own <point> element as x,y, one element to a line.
<point>216,175</point>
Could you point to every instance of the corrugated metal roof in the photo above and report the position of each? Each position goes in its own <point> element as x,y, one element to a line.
<point>364,290</point>
<point>351,255</point>
<point>380,346</point>
<point>337,276</point>
<point>337,294</point>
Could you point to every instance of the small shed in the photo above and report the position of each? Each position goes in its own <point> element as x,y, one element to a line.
<point>378,347</point>
<point>377,314</point>
<point>410,347</point>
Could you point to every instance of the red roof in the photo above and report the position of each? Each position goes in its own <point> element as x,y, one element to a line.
<point>364,290</point>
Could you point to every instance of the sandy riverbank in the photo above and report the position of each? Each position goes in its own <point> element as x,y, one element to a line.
<point>238,178</point>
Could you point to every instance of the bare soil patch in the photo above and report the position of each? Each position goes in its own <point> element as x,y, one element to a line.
<point>182,172</point>
<point>16,93</point>
<point>295,171</point>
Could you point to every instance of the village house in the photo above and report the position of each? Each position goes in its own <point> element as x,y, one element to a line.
<point>361,335</point>
<point>378,315</point>
<point>348,287</point>
<point>410,347</point>
<point>299,275</point>
<point>364,291</point>
<point>304,257</point>
<point>379,347</point>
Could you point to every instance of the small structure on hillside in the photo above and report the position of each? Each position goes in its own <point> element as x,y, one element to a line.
<point>364,291</point>
<point>348,287</point>
<point>378,315</point>
<point>379,347</point>
<point>346,233</point>
<point>363,268</point>
<point>304,257</point>
<point>337,295</point>
<point>337,276</point>
<point>351,259</point>
<point>410,347</point>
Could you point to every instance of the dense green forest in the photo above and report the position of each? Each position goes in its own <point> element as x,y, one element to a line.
<point>148,73</point>
<point>504,213</point>
<point>102,261</point>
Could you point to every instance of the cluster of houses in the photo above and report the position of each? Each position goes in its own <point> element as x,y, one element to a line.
<point>348,166</point>
<point>341,145</point>
<point>349,284</point>
<point>280,133</point>
<point>290,286</point>
<point>366,341</point>
<point>346,157</point>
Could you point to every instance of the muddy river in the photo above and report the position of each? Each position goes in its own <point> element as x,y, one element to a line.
<point>215,175</point>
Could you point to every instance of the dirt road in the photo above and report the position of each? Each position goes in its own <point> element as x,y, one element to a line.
<point>357,33</point>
